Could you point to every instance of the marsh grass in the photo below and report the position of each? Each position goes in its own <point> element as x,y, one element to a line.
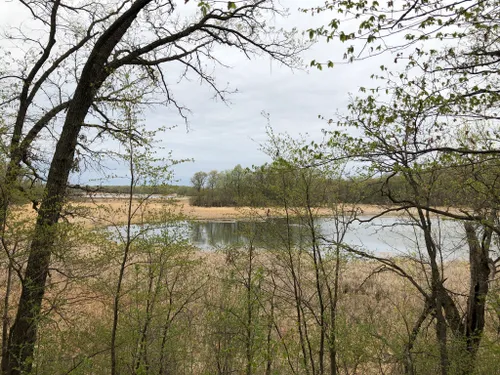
<point>199,323</point>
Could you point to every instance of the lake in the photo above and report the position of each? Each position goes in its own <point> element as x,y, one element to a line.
<point>387,235</point>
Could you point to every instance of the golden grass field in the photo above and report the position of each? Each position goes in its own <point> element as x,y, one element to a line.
<point>103,212</point>
<point>377,307</point>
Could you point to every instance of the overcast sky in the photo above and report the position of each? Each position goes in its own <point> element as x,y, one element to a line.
<point>223,135</point>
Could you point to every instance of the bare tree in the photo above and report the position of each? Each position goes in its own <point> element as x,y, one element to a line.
<point>108,45</point>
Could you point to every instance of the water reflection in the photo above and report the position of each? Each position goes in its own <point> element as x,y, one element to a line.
<point>216,234</point>
<point>383,235</point>
<point>273,233</point>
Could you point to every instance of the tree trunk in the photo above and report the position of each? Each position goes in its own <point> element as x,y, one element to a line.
<point>270,323</point>
<point>408,365</point>
<point>333,314</point>
<point>476,304</point>
<point>23,334</point>
<point>6,306</point>
<point>439,293</point>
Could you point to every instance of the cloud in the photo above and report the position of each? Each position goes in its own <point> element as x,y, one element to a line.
<point>222,135</point>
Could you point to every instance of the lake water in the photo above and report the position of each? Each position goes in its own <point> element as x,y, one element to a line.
<point>380,236</point>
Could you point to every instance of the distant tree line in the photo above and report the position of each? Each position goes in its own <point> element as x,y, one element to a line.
<point>145,189</point>
<point>33,192</point>
<point>259,186</point>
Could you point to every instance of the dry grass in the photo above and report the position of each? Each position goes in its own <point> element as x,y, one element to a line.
<point>382,303</point>
<point>104,212</point>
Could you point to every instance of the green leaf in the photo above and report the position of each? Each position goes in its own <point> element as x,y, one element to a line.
<point>231,5</point>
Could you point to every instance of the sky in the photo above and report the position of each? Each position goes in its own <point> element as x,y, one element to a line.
<point>221,135</point>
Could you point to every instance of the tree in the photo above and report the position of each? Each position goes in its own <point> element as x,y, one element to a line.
<point>434,116</point>
<point>212,179</point>
<point>198,180</point>
<point>402,139</point>
<point>100,53</point>
<point>445,59</point>
<point>311,259</point>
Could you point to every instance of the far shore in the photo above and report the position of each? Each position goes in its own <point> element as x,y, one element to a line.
<point>105,212</point>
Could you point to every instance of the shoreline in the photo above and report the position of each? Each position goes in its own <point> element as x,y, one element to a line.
<point>105,212</point>
<point>181,207</point>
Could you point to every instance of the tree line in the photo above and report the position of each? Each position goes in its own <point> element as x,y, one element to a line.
<point>258,186</point>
